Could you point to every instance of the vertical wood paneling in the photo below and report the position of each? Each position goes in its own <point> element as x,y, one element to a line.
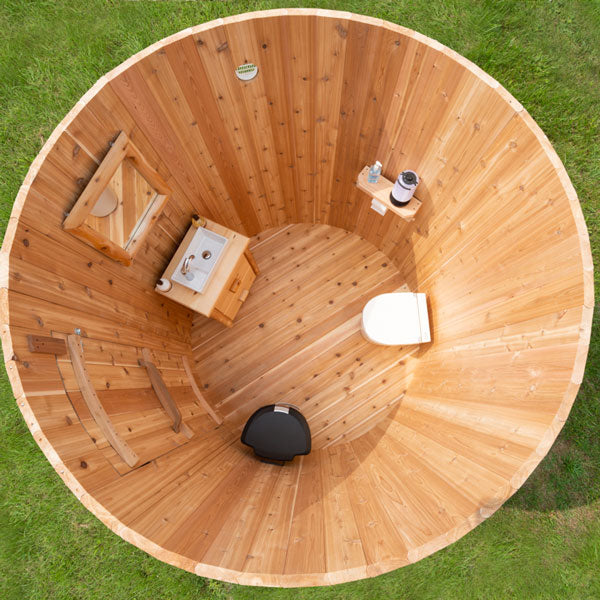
<point>270,37</point>
<point>362,44</point>
<point>379,82</point>
<point>136,94</point>
<point>298,53</point>
<point>330,42</point>
<point>246,48</point>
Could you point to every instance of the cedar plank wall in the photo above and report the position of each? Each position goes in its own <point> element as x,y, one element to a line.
<point>499,245</point>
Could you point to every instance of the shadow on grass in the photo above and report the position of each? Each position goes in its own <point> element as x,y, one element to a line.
<point>569,476</point>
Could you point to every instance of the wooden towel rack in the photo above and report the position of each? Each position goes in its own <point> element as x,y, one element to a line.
<point>93,403</point>
<point>160,389</point>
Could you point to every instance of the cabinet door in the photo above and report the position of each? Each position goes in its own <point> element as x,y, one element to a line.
<point>236,289</point>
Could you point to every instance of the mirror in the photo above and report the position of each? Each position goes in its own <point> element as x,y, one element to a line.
<point>117,208</point>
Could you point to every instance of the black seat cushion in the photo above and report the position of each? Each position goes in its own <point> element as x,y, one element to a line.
<point>277,433</point>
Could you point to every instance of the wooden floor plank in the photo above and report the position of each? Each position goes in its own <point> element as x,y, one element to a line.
<point>343,545</point>
<point>297,338</point>
<point>270,543</point>
<point>232,544</point>
<point>381,540</point>
<point>306,548</point>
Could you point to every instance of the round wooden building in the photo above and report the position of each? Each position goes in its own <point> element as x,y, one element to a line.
<point>200,238</point>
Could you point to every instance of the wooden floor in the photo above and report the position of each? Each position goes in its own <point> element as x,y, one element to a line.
<point>297,338</point>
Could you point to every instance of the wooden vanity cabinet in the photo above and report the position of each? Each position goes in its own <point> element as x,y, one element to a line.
<point>229,285</point>
<point>236,290</point>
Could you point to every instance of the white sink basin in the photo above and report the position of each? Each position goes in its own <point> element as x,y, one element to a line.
<point>200,259</point>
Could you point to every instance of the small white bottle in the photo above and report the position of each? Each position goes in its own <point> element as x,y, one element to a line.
<point>374,172</point>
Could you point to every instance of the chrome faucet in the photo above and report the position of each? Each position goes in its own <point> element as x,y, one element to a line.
<point>185,268</point>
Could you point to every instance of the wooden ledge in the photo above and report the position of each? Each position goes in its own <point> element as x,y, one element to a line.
<point>381,192</point>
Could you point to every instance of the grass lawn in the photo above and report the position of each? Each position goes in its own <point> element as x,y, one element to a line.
<point>545,541</point>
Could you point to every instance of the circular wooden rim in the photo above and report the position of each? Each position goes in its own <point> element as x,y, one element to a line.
<point>482,513</point>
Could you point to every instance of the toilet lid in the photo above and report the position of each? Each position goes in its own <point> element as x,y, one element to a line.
<point>398,318</point>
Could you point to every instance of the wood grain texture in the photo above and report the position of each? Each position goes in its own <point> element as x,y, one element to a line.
<point>101,179</point>
<point>93,403</point>
<point>499,245</point>
<point>297,339</point>
<point>131,400</point>
<point>161,390</point>
<point>198,393</point>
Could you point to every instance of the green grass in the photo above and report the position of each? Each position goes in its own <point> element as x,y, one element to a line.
<point>545,541</point>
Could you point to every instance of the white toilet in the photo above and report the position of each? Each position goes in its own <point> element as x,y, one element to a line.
<point>397,319</point>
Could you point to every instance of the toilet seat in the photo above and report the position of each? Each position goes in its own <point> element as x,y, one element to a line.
<point>396,319</point>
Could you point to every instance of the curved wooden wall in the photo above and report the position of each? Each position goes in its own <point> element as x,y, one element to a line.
<point>499,246</point>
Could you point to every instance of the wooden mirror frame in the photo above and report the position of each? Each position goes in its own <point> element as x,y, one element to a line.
<point>121,150</point>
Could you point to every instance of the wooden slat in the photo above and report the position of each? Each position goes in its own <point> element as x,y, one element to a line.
<point>381,539</point>
<point>231,545</point>
<point>161,390</point>
<point>306,546</point>
<point>132,405</point>
<point>270,541</point>
<point>35,314</point>
<point>48,269</point>
<point>142,489</point>
<point>199,395</point>
<point>101,243</point>
<point>344,547</point>
<point>94,405</point>
<point>252,262</point>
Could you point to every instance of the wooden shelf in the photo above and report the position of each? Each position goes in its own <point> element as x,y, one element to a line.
<point>381,191</point>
